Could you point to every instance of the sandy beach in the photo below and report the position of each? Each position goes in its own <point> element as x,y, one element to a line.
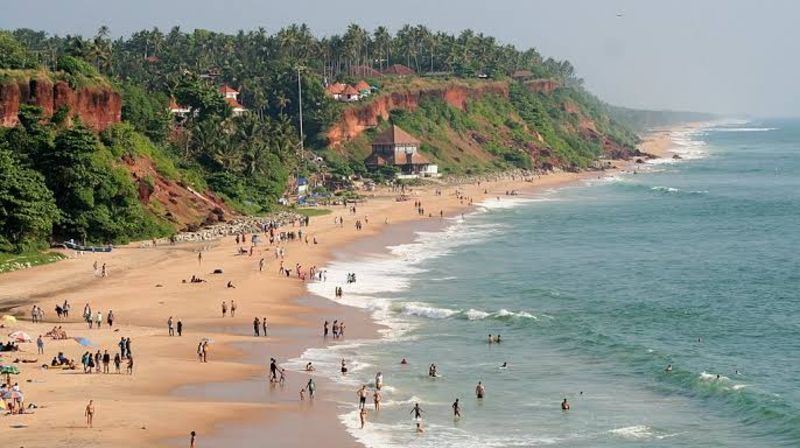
<point>170,393</point>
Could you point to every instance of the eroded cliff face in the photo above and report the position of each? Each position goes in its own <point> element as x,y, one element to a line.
<point>179,204</point>
<point>358,119</point>
<point>97,107</point>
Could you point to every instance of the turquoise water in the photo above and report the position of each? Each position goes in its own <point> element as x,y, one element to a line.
<point>595,289</point>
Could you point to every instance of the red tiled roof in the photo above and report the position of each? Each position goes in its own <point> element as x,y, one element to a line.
<point>362,85</point>
<point>399,70</point>
<point>393,136</point>
<point>233,103</point>
<point>227,89</point>
<point>365,71</point>
<point>350,90</point>
<point>335,88</point>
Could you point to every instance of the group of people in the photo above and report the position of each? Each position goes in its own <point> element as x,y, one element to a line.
<point>102,362</point>
<point>96,319</point>
<point>260,326</point>
<point>337,329</point>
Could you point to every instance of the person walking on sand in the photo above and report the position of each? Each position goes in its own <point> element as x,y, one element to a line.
<point>264,326</point>
<point>233,308</point>
<point>261,265</point>
<point>480,391</point>
<point>256,326</point>
<point>192,439</point>
<point>200,258</point>
<point>180,327</point>
<point>224,308</point>
<point>99,319</point>
<point>89,413</point>
<point>311,387</point>
<point>170,328</point>
<point>40,345</point>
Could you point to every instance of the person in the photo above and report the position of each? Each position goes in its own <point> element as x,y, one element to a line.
<point>110,318</point>
<point>669,368</point>
<point>170,328</point>
<point>419,428</point>
<point>309,367</point>
<point>233,308</point>
<point>200,257</point>
<point>256,326</point>
<point>376,399</point>
<point>362,396</point>
<point>403,361</point>
<point>192,438</point>
<point>128,347</point>
<point>117,362</point>
<point>261,265</point>
<point>311,387</point>
<point>99,319</point>
<point>273,370</point>
<point>325,329</point>
<point>180,327</point>
<point>505,365</point>
<point>491,339</point>
<point>417,411</point>
<point>344,367</point>
<point>480,390</point>
<point>106,362</point>
<point>224,308</point>
<point>363,416</point>
<point>282,379</point>
<point>200,351</point>
<point>379,380</point>
<point>564,405</point>
<point>40,345</point>
<point>264,326</point>
<point>497,339</point>
<point>130,365</point>
<point>456,409</point>
<point>89,413</point>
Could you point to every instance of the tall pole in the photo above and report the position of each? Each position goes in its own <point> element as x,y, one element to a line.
<point>300,103</point>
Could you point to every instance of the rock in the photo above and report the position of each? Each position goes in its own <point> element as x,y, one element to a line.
<point>677,157</point>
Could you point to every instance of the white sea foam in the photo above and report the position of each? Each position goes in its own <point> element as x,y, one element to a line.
<point>742,129</point>
<point>712,377</point>
<point>637,432</point>
<point>431,312</point>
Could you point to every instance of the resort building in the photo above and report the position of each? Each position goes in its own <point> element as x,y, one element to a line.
<point>178,110</point>
<point>231,96</point>
<point>396,147</point>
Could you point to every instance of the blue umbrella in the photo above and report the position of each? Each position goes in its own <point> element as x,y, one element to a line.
<point>84,342</point>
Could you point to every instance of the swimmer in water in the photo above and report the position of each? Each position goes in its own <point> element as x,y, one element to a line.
<point>504,366</point>
<point>403,361</point>
<point>564,405</point>
<point>669,368</point>
<point>480,391</point>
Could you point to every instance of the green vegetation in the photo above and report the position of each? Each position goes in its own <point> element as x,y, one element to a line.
<point>15,261</point>
<point>647,119</point>
<point>312,212</point>
<point>66,182</point>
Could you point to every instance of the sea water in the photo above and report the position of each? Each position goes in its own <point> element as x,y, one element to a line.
<point>595,289</point>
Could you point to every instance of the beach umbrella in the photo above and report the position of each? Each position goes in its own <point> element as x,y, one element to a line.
<point>84,342</point>
<point>8,371</point>
<point>8,319</point>
<point>20,336</point>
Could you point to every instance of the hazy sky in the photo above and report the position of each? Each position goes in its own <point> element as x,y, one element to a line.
<point>737,57</point>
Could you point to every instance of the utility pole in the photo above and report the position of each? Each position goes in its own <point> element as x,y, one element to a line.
<point>300,103</point>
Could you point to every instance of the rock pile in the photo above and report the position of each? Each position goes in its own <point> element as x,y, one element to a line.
<point>242,224</point>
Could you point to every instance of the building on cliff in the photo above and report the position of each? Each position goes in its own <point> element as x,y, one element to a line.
<point>231,96</point>
<point>396,147</point>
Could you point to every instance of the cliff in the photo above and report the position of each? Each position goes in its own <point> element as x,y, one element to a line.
<point>470,127</point>
<point>360,117</point>
<point>97,106</point>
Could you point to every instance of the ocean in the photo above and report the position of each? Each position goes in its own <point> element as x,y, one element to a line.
<point>595,288</point>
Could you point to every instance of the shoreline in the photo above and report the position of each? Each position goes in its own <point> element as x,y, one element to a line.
<point>170,396</point>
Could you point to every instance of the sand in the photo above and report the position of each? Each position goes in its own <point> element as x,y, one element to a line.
<point>227,400</point>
